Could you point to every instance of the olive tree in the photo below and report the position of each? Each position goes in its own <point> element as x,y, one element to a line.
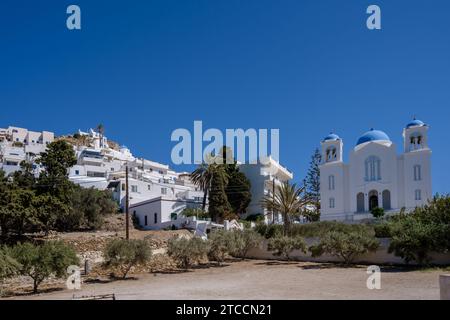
<point>124,254</point>
<point>185,252</point>
<point>345,245</point>
<point>284,245</point>
<point>42,261</point>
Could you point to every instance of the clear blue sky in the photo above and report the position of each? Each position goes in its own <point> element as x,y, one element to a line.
<point>145,68</point>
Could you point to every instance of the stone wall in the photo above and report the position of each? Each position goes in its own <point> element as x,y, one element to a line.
<point>380,257</point>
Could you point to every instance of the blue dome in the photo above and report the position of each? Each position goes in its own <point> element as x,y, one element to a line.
<point>331,136</point>
<point>373,135</point>
<point>415,123</point>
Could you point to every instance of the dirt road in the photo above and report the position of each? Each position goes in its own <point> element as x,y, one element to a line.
<point>265,280</point>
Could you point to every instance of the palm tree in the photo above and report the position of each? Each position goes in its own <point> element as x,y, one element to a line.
<point>202,177</point>
<point>288,200</point>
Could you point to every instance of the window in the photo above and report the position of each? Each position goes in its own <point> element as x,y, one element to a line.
<point>77,172</point>
<point>331,154</point>
<point>163,190</point>
<point>417,173</point>
<point>331,182</point>
<point>112,169</point>
<point>134,188</point>
<point>146,220</point>
<point>418,195</point>
<point>149,187</point>
<point>197,199</point>
<point>156,218</point>
<point>123,186</point>
<point>416,141</point>
<point>373,169</point>
<point>331,203</point>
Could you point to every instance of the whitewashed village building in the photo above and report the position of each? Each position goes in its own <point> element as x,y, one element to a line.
<point>264,177</point>
<point>376,176</point>
<point>19,144</point>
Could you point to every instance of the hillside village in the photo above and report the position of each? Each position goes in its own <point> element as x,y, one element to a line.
<point>157,194</point>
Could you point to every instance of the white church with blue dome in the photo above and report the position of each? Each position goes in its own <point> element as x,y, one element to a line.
<point>376,176</point>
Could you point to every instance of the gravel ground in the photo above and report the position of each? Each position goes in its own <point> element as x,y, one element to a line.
<point>256,279</point>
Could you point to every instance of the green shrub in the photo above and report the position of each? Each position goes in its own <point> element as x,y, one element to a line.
<point>124,254</point>
<point>313,230</point>
<point>220,245</point>
<point>377,212</point>
<point>8,265</point>
<point>413,239</point>
<point>255,218</point>
<point>185,252</point>
<point>345,245</point>
<point>41,261</point>
<point>269,230</point>
<point>382,230</point>
<point>195,212</point>
<point>284,245</point>
<point>243,241</point>
<point>425,230</point>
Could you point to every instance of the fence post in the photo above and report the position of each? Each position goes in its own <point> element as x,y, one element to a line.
<point>444,284</point>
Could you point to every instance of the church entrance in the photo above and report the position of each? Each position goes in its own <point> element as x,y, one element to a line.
<point>373,199</point>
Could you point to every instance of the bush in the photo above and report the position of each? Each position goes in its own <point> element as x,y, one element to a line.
<point>345,245</point>
<point>41,261</point>
<point>8,265</point>
<point>313,230</point>
<point>255,218</point>
<point>284,245</point>
<point>220,244</point>
<point>382,230</point>
<point>243,241</point>
<point>124,254</point>
<point>425,230</point>
<point>186,252</point>
<point>412,239</point>
<point>269,230</point>
<point>377,212</point>
<point>88,209</point>
<point>195,212</point>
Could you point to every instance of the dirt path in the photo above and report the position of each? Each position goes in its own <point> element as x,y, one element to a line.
<point>266,280</point>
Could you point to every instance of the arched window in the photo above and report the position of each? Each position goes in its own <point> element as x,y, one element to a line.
<point>416,141</point>
<point>360,202</point>
<point>331,154</point>
<point>417,172</point>
<point>331,182</point>
<point>373,169</point>
<point>418,195</point>
<point>386,200</point>
<point>332,204</point>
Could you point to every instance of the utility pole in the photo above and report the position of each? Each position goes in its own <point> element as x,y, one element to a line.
<point>127,213</point>
<point>273,201</point>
